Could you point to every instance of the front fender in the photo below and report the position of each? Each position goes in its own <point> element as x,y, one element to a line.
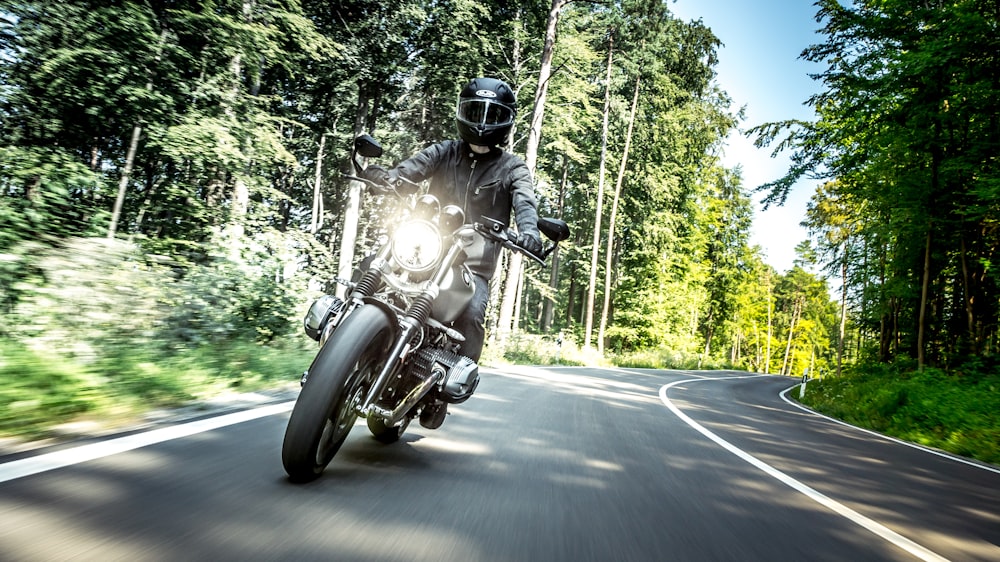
<point>389,313</point>
<point>375,303</point>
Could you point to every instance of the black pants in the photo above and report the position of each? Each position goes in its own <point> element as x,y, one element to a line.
<point>471,323</point>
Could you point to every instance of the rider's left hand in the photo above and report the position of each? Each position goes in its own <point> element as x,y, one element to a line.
<point>376,174</point>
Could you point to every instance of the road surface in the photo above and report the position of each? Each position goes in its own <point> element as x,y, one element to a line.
<point>542,464</point>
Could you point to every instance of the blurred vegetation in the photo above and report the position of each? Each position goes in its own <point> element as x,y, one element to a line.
<point>102,330</point>
<point>43,390</point>
<point>956,411</point>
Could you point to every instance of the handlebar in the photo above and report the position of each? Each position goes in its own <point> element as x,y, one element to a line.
<point>392,187</point>
<point>506,237</point>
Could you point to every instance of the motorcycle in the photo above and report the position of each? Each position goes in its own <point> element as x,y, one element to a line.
<point>387,351</point>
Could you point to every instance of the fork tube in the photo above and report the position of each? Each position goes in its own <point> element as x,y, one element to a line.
<point>414,319</point>
<point>391,362</point>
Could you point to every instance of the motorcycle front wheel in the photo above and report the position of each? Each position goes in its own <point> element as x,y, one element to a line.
<point>339,378</point>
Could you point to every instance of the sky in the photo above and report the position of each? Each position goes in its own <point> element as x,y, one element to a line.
<point>759,67</point>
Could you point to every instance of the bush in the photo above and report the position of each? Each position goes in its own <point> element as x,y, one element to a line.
<point>41,390</point>
<point>662,358</point>
<point>530,349</point>
<point>102,329</point>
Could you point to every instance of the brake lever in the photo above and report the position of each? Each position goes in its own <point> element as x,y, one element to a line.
<point>538,259</point>
<point>506,237</point>
<point>381,188</point>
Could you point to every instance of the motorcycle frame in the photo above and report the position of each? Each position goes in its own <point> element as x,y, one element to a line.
<point>405,325</point>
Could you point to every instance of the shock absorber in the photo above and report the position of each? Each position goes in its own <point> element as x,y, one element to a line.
<point>368,284</point>
<point>420,309</point>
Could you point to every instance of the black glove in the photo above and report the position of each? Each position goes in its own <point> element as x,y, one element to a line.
<point>530,242</point>
<point>376,174</point>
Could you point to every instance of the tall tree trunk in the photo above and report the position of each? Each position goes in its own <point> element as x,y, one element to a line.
<point>133,145</point>
<point>924,292</point>
<point>548,306</point>
<point>571,297</point>
<point>317,207</point>
<point>734,353</point>
<point>614,215</point>
<point>595,248</point>
<point>241,191</point>
<point>969,299</point>
<point>516,268</point>
<point>126,175</point>
<point>544,74</point>
<point>770,329</point>
<point>786,363</point>
<point>757,351</point>
<point>843,310</point>
<point>710,321</point>
<point>352,211</point>
<point>518,296</point>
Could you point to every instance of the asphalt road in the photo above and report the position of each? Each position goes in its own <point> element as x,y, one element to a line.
<point>564,464</point>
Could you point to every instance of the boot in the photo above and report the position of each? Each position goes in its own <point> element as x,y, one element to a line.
<point>432,416</point>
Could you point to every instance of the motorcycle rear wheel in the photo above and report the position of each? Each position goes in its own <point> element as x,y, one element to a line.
<point>339,378</point>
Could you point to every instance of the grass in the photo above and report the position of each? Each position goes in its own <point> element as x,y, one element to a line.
<point>43,389</point>
<point>958,412</point>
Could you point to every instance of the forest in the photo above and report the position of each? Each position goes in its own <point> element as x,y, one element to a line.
<point>171,194</point>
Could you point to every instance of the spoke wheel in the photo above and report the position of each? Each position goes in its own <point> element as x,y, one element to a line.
<point>339,377</point>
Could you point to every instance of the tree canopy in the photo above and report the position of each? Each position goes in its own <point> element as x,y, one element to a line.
<point>209,136</point>
<point>907,135</point>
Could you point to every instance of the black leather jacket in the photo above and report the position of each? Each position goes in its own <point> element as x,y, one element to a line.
<point>492,185</point>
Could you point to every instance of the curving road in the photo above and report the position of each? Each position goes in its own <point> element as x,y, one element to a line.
<point>555,464</point>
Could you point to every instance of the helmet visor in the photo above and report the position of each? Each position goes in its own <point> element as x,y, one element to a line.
<point>479,112</point>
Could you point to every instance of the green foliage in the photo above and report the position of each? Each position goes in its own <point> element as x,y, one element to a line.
<point>41,190</point>
<point>45,389</point>
<point>906,132</point>
<point>40,390</point>
<point>955,412</point>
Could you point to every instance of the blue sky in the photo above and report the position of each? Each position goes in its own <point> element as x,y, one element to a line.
<point>759,67</point>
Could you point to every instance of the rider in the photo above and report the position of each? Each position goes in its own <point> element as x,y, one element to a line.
<point>482,179</point>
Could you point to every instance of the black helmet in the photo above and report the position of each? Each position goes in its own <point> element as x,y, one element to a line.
<point>485,113</point>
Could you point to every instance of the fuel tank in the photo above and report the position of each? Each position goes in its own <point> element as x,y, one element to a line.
<point>456,292</point>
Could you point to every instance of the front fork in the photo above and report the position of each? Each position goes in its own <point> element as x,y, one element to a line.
<point>410,326</point>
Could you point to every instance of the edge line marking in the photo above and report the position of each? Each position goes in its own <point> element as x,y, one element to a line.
<point>898,441</point>
<point>29,466</point>
<point>871,525</point>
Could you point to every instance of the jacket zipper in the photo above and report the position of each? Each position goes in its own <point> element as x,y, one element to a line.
<point>468,186</point>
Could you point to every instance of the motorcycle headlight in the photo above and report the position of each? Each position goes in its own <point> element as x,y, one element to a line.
<point>416,246</point>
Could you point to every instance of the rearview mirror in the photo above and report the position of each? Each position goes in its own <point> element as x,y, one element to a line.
<point>367,146</point>
<point>554,229</point>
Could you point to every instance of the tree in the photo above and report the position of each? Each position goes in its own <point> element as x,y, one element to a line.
<point>903,126</point>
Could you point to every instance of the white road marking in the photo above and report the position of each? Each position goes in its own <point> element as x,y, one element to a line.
<point>59,459</point>
<point>837,507</point>
<point>941,454</point>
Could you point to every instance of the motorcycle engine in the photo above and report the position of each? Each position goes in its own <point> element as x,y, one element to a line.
<point>461,373</point>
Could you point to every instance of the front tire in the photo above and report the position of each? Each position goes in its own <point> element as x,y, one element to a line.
<point>339,377</point>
